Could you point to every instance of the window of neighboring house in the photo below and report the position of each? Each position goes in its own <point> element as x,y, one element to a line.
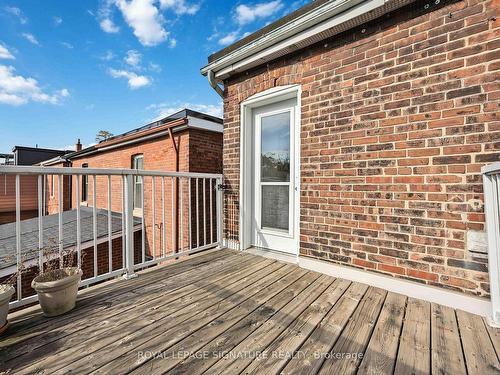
<point>53,186</point>
<point>85,185</point>
<point>138,163</point>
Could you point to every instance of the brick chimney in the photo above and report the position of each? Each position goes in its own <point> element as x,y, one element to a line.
<point>78,146</point>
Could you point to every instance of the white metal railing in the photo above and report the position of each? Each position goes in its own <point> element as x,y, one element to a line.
<point>491,186</point>
<point>181,213</point>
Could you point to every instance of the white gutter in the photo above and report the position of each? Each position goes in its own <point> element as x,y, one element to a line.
<point>320,23</point>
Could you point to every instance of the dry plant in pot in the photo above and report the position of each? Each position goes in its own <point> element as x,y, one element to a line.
<point>57,286</point>
<point>7,288</point>
<point>6,292</point>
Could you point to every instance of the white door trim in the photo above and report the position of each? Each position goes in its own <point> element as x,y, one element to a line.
<point>273,95</point>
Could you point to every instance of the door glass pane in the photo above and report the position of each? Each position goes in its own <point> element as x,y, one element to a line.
<point>275,206</point>
<point>275,148</point>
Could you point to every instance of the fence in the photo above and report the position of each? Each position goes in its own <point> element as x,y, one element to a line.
<point>111,222</point>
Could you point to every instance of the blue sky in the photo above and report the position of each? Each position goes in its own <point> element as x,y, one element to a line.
<point>71,68</point>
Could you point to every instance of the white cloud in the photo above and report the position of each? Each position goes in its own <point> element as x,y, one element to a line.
<point>30,38</point>
<point>172,43</point>
<point>17,90</point>
<point>5,53</point>
<point>249,13</point>
<point>67,45</point>
<point>108,56</point>
<point>57,20</point>
<point>15,11</point>
<point>229,38</point>
<point>180,6</point>
<point>133,58</point>
<point>165,109</point>
<point>145,19</point>
<point>154,67</point>
<point>108,26</point>
<point>135,81</point>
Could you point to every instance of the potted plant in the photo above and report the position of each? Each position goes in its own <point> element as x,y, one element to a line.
<point>57,286</point>
<point>6,293</point>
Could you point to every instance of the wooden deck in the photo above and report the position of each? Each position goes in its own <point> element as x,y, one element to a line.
<point>229,312</point>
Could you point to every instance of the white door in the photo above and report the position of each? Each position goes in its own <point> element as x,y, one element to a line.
<point>274,158</point>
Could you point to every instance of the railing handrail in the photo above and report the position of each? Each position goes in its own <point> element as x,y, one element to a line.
<point>67,171</point>
<point>491,168</point>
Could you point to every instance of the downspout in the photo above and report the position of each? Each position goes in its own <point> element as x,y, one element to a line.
<point>176,190</point>
<point>213,82</point>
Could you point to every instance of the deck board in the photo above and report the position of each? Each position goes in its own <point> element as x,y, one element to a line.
<point>227,302</point>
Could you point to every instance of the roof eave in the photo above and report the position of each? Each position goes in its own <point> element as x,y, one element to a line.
<point>320,23</point>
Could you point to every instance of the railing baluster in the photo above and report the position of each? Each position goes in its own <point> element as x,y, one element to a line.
<point>18,238</point>
<point>204,212</point>
<point>129,220</point>
<point>60,224</point>
<point>181,205</point>
<point>197,215</point>
<point>40,224</point>
<point>173,217</point>
<point>211,212</point>
<point>94,221</point>
<point>220,212</point>
<point>153,193</point>
<point>124,248</point>
<point>190,245</point>
<point>110,229</point>
<point>143,222</point>
<point>78,199</point>
<point>163,226</point>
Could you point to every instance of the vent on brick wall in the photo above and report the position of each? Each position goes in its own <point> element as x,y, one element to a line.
<point>477,244</point>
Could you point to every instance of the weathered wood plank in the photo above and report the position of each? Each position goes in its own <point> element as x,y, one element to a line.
<point>494,336</point>
<point>270,330</point>
<point>380,356</point>
<point>480,356</point>
<point>283,290</point>
<point>97,297</point>
<point>446,348</point>
<point>414,348</point>
<point>141,324</point>
<point>286,344</point>
<point>353,341</point>
<point>184,291</point>
<point>326,333</point>
<point>237,333</point>
<point>24,341</point>
<point>169,330</point>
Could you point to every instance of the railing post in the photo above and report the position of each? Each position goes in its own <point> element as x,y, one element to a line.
<point>220,215</point>
<point>129,227</point>
<point>491,186</point>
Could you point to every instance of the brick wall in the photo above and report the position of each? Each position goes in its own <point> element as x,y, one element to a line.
<point>199,151</point>
<point>398,117</point>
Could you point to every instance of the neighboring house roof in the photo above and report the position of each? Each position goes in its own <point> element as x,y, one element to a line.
<point>310,24</point>
<point>180,120</point>
<point>24,155</point>
<point>29,232</point>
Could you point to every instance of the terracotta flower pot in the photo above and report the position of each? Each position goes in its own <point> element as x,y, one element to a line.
<point>6,292</point>
<point>57,290</point>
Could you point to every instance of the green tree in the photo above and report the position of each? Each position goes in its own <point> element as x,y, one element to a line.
<point>102,135</point>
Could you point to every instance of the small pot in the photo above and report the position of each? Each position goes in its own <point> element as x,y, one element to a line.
<point>6,292</point>
<point>57,290</point>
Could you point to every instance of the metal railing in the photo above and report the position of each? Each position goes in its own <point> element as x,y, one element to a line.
<point>114,221</point>
<point>491,186</point>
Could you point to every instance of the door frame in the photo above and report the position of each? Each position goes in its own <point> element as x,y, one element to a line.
<point>273,95</point>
